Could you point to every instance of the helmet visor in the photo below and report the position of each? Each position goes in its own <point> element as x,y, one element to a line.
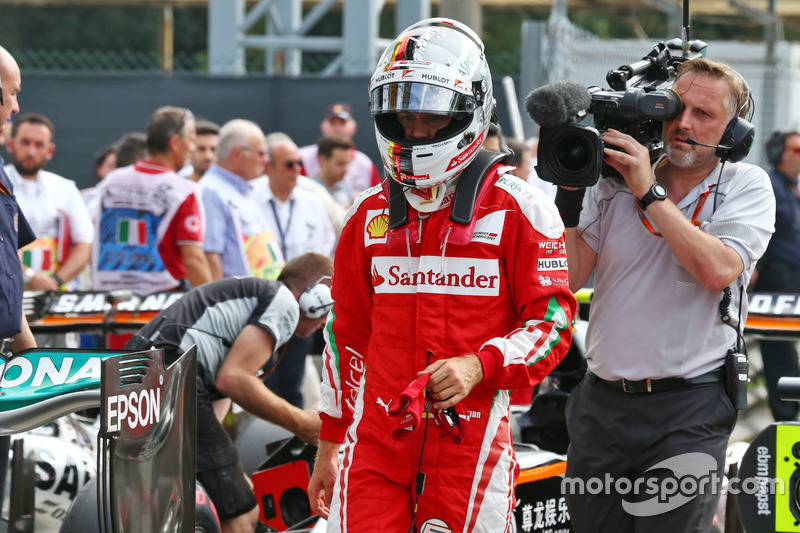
<point>415,97</point>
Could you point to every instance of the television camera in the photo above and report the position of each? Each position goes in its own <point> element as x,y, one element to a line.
<point>639,100</point>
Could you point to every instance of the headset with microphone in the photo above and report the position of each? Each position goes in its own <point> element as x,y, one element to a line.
<point>316,300</point>
<point>737,139</point>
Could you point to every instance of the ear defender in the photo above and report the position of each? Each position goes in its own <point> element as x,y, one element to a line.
<point>737,139</point>
<point>316,300</point>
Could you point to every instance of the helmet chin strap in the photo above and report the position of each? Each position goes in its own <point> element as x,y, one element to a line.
<point>466,185</point>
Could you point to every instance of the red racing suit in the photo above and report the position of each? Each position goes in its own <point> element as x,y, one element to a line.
<point>497,288</point>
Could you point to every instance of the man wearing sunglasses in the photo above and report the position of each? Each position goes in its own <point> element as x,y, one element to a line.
<point>779,269</point>
<point>295,215</point>
<point>672,248</point>
<point>298,220</point>
<point>240,325</point>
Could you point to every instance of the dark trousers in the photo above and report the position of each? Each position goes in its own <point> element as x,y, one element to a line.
<point>287,378</point>
<point>625,447</point>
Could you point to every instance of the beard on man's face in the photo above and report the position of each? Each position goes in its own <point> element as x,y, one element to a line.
<point>27,166</point>
<point>680,158</point>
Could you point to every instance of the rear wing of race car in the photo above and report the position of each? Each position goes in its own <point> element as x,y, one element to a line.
<point>114,311</point>
<point>146,445</point>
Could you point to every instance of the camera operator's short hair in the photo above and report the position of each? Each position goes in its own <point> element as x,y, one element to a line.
<point>327,144</point>
<point>33,118</point>
<point>166,122</point>
<point>740,101</point>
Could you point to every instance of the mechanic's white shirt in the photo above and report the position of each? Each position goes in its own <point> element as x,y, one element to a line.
<point>43,199</point>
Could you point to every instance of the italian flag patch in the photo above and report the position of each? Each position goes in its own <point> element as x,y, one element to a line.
<point>132,232</point>
<point>39,259</point>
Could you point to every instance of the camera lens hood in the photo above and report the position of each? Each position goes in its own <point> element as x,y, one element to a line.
<point>570,154</point>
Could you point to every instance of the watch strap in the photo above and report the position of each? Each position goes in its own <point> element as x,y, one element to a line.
<point>651,196</point>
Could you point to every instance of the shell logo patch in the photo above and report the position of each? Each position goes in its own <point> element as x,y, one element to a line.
<point>376,228</point>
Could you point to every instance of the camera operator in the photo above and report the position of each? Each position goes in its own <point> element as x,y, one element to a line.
<point>667,246</point>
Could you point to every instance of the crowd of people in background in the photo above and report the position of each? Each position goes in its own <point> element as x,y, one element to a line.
<point>188,201</point>
<point>251,221</point>
<point>264,199</point>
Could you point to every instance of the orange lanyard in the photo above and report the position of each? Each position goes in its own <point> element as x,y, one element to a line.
<point>700,203</point>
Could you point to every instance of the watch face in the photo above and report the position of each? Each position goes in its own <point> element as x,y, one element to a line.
<point>660,191</point>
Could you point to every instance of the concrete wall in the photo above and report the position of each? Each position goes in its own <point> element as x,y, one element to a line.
<point>92,110</point>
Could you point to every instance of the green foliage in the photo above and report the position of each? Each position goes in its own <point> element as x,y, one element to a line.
<point>80,27</point>
<point>129,38</point>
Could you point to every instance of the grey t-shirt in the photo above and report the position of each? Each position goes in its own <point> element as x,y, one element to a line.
<point>212,316</point>
<point>649,317</point>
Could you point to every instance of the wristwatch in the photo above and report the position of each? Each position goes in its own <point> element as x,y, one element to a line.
<point>27,275</point>
<point>656,192</point>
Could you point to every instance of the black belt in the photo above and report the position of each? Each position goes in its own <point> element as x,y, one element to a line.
<point>646,386</point>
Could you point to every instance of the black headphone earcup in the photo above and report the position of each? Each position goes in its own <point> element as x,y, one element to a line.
<point>774,148</point>
<point>737,139</point>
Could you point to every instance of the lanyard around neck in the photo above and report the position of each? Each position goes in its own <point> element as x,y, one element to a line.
<point>282,232</point>
<point>700,203</point>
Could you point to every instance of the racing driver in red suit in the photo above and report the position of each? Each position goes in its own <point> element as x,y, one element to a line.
<point>450,268</point>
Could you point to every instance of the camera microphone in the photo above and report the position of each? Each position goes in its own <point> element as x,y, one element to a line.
<point>558,103</point>
<point>693,142</point>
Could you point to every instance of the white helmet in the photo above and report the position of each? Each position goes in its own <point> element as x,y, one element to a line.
<point>435,66</point>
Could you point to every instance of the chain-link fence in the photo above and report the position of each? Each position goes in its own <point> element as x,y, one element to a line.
<point>67,60</point>
<point>571,53</point>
